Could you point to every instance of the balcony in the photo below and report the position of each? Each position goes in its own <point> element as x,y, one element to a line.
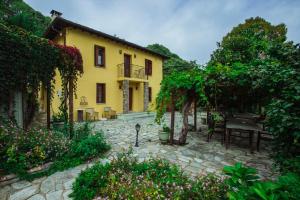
<point>131,72</point>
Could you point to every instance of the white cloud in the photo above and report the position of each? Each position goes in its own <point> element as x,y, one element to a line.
<point>189,28</point>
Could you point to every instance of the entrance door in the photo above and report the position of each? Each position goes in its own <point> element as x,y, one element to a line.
<point>130,98</point>
<point>127,62</point>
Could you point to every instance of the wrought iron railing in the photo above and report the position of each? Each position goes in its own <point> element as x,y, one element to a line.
<point>134,71</point>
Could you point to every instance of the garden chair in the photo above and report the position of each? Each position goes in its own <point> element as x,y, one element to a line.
<point>109,113</point>
<point>91,114</point>
<point>263,135</point>
<point>216,126</point>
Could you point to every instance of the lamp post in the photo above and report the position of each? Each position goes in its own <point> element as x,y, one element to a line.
<point>137,128</point>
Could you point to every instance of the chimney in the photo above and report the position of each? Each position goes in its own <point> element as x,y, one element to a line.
<point>55,14</point>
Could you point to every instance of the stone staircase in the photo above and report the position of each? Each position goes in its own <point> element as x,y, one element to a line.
<point>135,115</point>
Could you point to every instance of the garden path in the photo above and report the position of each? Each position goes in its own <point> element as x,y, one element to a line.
<point>196,158</point>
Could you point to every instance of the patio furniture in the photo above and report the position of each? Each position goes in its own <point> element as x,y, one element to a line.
<point>216,126</point>
<point>250,116</point>
<point>242,125</point>
<point>109,113</point>
<point>90,114</point>
<point>263,134</point>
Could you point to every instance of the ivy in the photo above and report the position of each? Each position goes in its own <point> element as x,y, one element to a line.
<point>28,61</point>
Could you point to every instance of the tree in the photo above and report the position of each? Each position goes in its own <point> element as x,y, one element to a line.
<point>254,66</point>
<point>17,12</point>
<point>174,63</point>
<point>248,41</point>
<point>184,88</point>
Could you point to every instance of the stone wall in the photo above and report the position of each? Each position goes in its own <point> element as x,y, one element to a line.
<point>125,96</point>
<point>146,96</point>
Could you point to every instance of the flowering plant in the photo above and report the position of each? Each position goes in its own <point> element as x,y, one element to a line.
<point>126,178</point>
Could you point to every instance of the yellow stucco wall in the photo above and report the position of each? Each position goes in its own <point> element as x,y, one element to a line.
<point>86,85</point>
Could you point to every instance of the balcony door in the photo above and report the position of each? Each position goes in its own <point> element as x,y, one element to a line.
<point>127,63</point>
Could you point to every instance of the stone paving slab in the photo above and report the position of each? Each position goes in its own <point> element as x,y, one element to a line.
<point>196,158</point>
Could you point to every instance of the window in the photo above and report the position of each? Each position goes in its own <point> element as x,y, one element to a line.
<point>99,56</point>
<point>150,94</point>
<point>100,93</point>
<point>148,67</point>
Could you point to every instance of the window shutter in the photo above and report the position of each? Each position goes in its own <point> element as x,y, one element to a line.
<point>103,57</point>
<point>146,67</point>
<point>97,93</point>
<point>96,55</point>
<point>150,68</point>
<point>100,93</point>
<point>150,94</point>
<point>103,93</point>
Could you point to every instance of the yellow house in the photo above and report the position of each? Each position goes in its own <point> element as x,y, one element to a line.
<point>117,74</point>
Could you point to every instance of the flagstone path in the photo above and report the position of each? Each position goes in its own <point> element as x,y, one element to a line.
<point>196,158</point>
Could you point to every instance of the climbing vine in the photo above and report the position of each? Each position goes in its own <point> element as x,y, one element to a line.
<point>180,90</point>
<point>27,62</point>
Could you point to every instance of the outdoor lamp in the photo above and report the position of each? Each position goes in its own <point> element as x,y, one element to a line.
<point>137,128</point>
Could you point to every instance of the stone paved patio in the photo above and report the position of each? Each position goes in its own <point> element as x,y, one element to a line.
<point>197,157</point>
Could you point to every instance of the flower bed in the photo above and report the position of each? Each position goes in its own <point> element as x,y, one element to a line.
<point>22,150</point>
<point>125,178</point>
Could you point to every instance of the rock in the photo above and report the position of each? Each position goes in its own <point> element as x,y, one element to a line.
<point>68,184</point>
<point>24,194</point>
<point>66,194</point>
<point>57,195</point>
<point>37,197</point>
<point>59,186</point>
<point>198,160</point>
<point>48,185</point>
<point>20,185</point>
<point>4,192</point>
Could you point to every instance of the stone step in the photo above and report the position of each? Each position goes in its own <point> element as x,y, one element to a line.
<point>135,115</point>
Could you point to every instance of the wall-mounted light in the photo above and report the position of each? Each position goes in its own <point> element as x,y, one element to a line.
<point>120,85</point>
<point>120,51</point>
<point>134,55</point>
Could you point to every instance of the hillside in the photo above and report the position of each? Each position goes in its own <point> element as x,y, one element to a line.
<point>174,63</point>
<point>17,12</point>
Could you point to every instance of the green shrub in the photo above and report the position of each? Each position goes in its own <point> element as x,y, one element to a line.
<point>89,147</point>
<point>22,150</point>
<point>244,184</point>
<point>125,178</point>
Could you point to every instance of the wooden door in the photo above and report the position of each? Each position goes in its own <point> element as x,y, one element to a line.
<point>130,98</point>
<point>80,115</point>
<point>127,63</point>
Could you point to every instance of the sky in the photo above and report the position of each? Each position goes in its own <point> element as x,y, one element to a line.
<point>189,28</point>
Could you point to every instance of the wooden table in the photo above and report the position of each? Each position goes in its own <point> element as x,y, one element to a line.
<point>246,116</point>
<point>241,124</point>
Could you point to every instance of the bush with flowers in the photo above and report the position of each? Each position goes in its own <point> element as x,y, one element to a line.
<point>22,150</point>
<point>126,178</point>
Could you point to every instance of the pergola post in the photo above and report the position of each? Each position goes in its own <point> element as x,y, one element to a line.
<point>71,106</point>
<point>48,102</point>
<point>195,114</point>
<point>172,119</point>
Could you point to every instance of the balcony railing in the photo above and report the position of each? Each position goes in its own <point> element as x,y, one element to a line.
<point>133,71</point>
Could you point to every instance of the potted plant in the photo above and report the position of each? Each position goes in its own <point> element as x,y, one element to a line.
<point>58,120</point>
<point>164,134</point>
